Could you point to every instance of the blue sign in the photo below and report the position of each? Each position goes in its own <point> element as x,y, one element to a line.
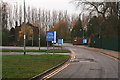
<point>50,35</point>
<point>60,41</point>
<point>84,40</point>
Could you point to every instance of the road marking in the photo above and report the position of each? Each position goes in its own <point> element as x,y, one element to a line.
<point>73,53</point>
<point>55,72</point>
<point>59,69</point>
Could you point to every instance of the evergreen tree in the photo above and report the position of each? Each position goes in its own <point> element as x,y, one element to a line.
<point>77,29</point>
<point>93,27</point>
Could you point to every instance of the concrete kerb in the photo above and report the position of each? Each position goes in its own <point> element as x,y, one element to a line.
<point>100,52</point>
<point>41,75</point>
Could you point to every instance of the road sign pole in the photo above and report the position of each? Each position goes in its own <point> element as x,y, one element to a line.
<point>61,46</point>
<point>47,47</point>
<point>58,46</point>
<point>53,47</point>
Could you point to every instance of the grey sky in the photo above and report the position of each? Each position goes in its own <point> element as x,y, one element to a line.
<point>49,5</point>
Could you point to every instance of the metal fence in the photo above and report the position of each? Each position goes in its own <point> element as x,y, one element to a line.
<point>105,43</point>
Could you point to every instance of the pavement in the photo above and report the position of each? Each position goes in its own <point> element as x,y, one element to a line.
<point>32,53</point>
<point>27,47</point>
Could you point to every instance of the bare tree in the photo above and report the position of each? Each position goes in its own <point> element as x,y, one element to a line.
<point>60,15</point>
<point>16,15</point>
<point>54,17</point>
<point>4,15</point>
<point>0,15</point>
<point>102,8</point>
<point>20,15</point>
<point>10,18</point>
<point>29,14</point>
<point>43,16</point>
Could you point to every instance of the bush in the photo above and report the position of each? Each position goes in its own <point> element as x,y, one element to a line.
<point>5,41</point>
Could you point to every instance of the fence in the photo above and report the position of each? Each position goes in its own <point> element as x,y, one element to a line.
<point>105,43</point>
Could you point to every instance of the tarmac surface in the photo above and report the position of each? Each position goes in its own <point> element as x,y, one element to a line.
<point>88,64</point>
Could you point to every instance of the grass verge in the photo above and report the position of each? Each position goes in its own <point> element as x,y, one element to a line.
<point>27,66</point>
<point>43,50</point>
<point>59,50</point>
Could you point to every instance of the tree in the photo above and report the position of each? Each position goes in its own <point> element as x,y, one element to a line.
<point>5,40</point>
<point>20,14</point>
<point>77,29</point>
<point>54,17</point>
<point>28,32</point>
<point>93,27</point>
<point>10,18</point>
<point>0,16</point>
<point>12,36</point>
<point>62,29</point>
<point>106,21</point>
<point>4,15</point>
<point>102,8</point>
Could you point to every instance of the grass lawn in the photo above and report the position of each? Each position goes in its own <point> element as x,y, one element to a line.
<point>42,50</point>
<point>59,50</point>
<point>27,66</point>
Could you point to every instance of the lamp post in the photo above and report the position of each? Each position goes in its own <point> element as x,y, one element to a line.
<point>39,36</point>
<point>82,34</point>
<point>119,9</point>
<point>24,30</point>
<point>32,36</point>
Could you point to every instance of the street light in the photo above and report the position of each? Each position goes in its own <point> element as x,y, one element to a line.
<point>24,31</point>
<point>32,36</point>
<point>39,34</point>
<point>82,33</point>
<point>119,9</point>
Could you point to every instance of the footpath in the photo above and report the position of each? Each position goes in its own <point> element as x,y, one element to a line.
<point>114,54</point>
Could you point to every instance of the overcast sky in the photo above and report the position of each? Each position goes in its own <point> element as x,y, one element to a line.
<point>49,5</point>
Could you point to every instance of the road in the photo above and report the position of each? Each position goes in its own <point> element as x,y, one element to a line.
<point>88,65</point>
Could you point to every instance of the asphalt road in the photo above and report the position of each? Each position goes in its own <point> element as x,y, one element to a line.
<point>88,65</point>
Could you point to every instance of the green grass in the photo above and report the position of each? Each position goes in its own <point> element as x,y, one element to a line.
<point>43,50</point>
<point>27,66</point>
<point>59,50</point>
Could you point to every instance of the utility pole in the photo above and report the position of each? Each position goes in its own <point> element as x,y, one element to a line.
<point>39,27</point>
<point>24,30</point>
<point>46,30</point>
<point>32,36</point>
<point>119,9</point>
<point>83,34</point>
<point>39,35</point>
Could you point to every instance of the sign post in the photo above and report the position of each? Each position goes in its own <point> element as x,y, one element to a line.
<point>84,41</point>
<point>50,36</point>
<point>60,41</point>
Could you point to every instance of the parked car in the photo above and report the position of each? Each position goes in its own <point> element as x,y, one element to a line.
<point>79,41</point>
